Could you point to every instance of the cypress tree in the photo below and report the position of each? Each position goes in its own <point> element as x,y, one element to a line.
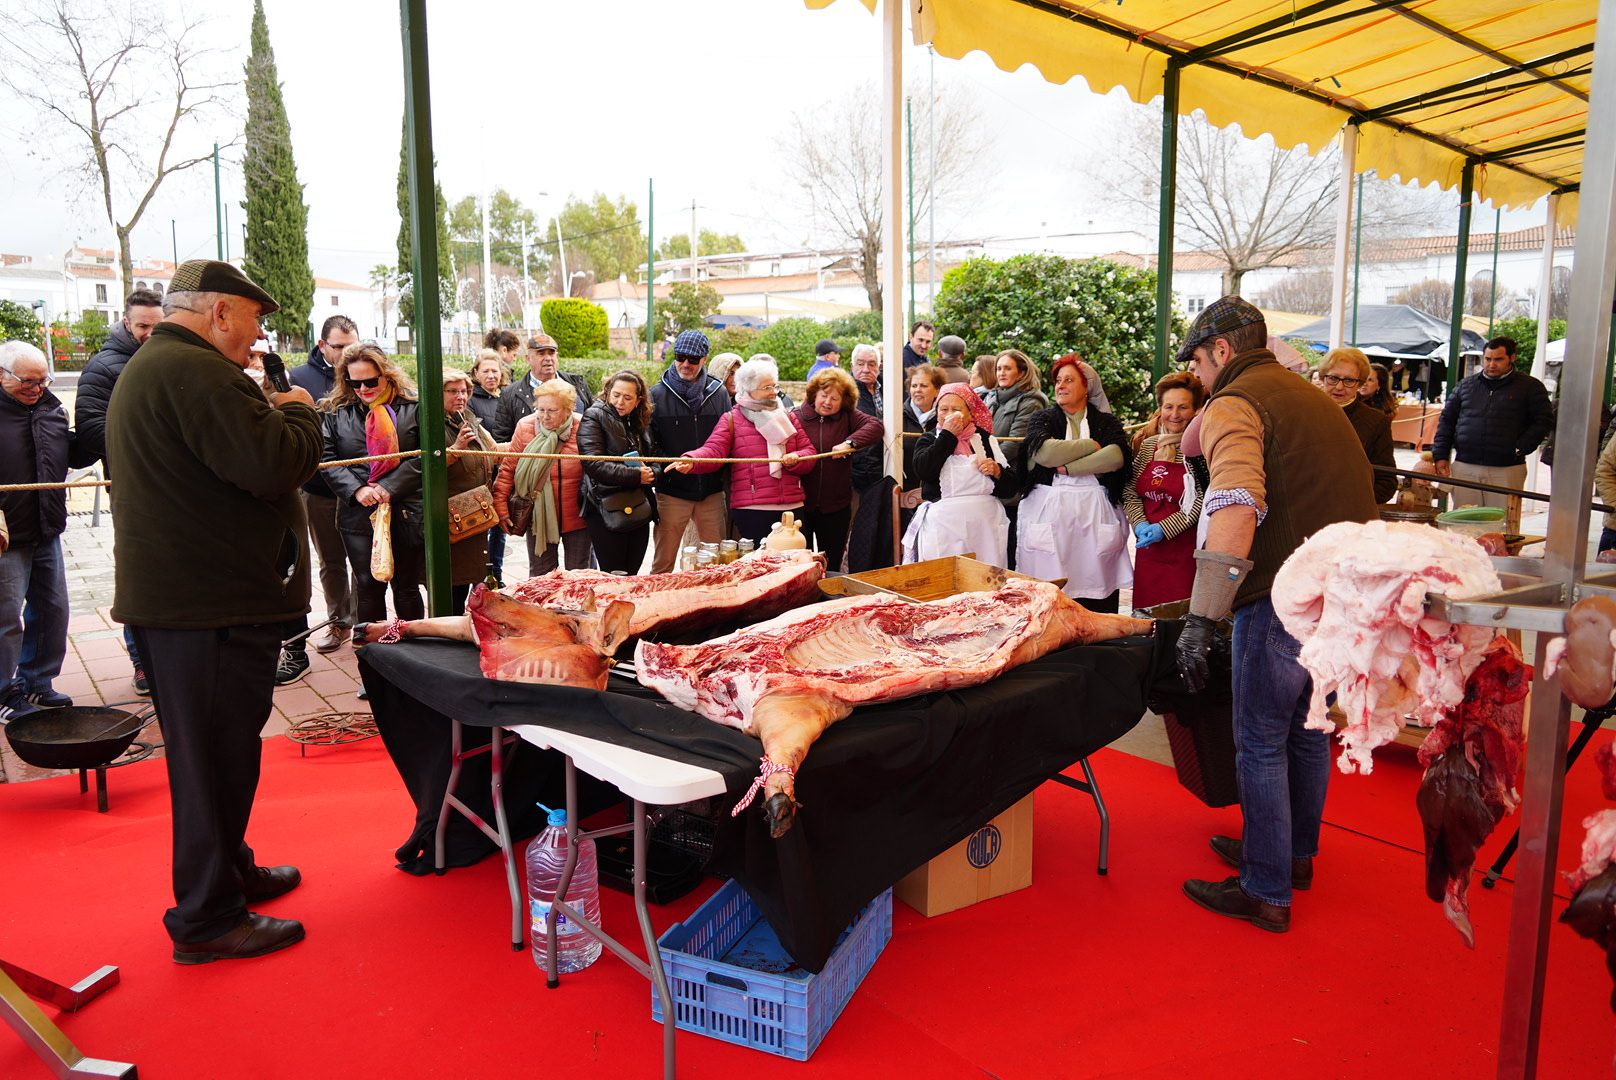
<point>277,247</point>
<point>406,246</point>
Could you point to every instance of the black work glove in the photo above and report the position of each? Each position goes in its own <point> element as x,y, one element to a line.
<point>1194,646</point>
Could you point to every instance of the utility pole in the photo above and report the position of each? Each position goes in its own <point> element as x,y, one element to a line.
<point>227,234</point>
<point>693,261</point>
<point>909,135</point>
<point>488,270</point>
<point>174,235</point>
<point>526,298</point>
<point>561,247</point>
<point>218,204</point>
<point>931,188</point>
<point>650,267</point>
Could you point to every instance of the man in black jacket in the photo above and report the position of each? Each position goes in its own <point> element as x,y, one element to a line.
<point>1491,421</point>
<point>517,400</point>
<point>142,311</point>
<point>685,408</point>
<point>318,376</point>
<point>36,447</point>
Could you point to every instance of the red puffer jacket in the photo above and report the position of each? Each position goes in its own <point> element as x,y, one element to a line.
<point>749,482</point>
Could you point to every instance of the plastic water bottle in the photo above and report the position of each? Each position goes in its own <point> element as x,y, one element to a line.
<point>576,948</point>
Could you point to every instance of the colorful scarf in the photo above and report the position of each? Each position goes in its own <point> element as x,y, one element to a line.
<point>381,433</point>
<point>980,416</point>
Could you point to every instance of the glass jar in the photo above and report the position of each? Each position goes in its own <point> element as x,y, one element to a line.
<point>728,551</point>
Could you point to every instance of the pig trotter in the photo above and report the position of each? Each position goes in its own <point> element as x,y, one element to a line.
<point>778,783</point>
<point>780,812</point>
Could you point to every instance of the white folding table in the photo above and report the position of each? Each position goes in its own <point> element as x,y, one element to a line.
<point>648,780</point>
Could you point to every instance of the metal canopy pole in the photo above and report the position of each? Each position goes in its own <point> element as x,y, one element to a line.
<point>1343,233</point>
<point>1461,254</point>
<point>429,343</point>
<point>1164,222</point>
<point>1545,290</point>
<point>892,239</point>
<point>1531,913</point>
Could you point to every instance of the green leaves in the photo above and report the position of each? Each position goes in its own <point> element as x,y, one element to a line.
<point>578,326</point>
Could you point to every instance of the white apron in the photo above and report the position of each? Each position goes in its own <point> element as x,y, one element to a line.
<point>966,520</point>
<point>1068,528</point>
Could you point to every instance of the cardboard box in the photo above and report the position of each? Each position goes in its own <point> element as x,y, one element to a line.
<point>994,860</point>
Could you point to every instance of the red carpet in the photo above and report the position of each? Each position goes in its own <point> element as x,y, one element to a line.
<point>1078,976</point>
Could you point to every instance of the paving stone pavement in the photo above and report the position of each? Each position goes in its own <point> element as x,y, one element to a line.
<point>97,669</point>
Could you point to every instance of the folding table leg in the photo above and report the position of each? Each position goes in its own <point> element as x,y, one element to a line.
<point>1590,724</point>
<point>496,785</point>
<point>448,795</point>
<point>1092,787</point>
<point>42,1036</point>
<point>653,954</point>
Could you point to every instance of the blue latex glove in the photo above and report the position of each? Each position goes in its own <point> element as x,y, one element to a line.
<point>1146,533</point>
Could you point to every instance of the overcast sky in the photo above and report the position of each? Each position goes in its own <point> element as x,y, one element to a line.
<point>551,99</point>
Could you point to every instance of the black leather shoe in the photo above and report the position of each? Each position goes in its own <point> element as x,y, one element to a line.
<point>268,882</point>
<point>1228,898</point>
<point>257,935</point>
<point>1228,849</point>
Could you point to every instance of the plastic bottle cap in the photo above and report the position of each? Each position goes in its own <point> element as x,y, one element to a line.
<point>558,818</point>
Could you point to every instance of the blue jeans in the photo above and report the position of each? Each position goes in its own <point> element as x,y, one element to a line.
<point>129,643</point>
<point>1607,539</point>
<point>496,551</point>
<point>33,601</point>
<point>1283,769</point>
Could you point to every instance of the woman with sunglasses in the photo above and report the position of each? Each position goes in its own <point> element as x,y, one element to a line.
<point>1342,372</point>
<point>371,411</point>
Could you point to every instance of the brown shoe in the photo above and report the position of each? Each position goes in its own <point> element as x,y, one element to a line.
<point>257,935</point>
<point>1228,849</point>
<point>333,639</point>
<point>1228,898</point>
<point>268,882</point>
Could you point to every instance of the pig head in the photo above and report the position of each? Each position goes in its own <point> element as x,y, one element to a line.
<point>526,643</point>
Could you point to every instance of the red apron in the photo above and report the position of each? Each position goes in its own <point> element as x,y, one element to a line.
<point>1164,571</point>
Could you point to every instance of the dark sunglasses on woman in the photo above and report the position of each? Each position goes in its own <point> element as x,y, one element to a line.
<point>369,384</point>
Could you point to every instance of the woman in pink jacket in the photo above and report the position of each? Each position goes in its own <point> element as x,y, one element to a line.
<point>758,427</point>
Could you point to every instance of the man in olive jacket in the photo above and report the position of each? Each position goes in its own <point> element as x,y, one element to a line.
<point>210,559</point>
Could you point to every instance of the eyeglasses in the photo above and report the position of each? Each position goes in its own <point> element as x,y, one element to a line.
<point>28,384</point>
<point>1341,380</point>
<point>369,384</point>
<point>689,360</point>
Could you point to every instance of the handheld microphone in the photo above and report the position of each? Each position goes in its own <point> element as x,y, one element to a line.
<point>275,372</point>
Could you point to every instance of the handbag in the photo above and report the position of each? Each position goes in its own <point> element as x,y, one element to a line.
<point>521,510</point>
<point>471,513</point>
<point>625,511</point>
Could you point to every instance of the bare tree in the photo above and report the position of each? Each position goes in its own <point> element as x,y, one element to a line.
<point>119,89</point>
<point>1304,292</point>
<point>832,154</point>
<point>1246,201</point>
<point>1432,296</point>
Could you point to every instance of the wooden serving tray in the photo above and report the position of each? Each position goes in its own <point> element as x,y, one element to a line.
<point>929,580</point>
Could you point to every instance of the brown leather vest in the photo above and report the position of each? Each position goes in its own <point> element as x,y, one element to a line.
<point>1314,465</point>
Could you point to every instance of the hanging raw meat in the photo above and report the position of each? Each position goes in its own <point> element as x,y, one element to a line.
<point>756,587</point>
<point>1472,758</point>
<point>525,643</point>
<point>1585,659</point>
<point>788,679</point>
<point>1354,596</point>
<point>1592,911</point>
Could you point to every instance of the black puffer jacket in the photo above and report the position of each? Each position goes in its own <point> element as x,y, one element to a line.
<point>317,377</point>
<point>345,438</point>
<point>602,431</point>
<point>1494,422</point>
<point>486,408</point>
<point>94,392</point>
<point>1104,429</point>
<point>516,401</point>
<point>678,429</point>
<point>36,447</point>
<point>869,464</point>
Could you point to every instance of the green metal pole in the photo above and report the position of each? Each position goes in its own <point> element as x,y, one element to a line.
<point>1492,302</point>
<point>218,205</point>
<point>650,269</point>
<point>909,137</point>
<point>1461,254</point>
<point>1164,224</point>
<point>428,315</point>
<point>1357,259</point>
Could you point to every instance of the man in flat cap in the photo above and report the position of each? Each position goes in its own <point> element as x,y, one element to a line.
<point>687,403</point>
<point>517,399</point>
<point>1285,463</point>
<point>210,560</point>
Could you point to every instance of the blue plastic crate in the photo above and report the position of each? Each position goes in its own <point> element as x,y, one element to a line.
<point>730,977</point>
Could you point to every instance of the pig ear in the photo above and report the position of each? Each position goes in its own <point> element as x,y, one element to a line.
<point>614,625</point>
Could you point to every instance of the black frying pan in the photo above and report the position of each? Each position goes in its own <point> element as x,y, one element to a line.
<point>76,737</point>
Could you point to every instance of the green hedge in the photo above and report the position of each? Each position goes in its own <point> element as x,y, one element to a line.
<point>594,371</point>
<point>578,326</point>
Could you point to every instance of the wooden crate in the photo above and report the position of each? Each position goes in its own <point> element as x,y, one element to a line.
<point>929,580</point>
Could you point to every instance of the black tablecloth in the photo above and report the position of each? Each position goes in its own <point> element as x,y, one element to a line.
<point>882,792</point>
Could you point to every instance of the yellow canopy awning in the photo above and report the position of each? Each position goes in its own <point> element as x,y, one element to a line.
<point>1432,82</point>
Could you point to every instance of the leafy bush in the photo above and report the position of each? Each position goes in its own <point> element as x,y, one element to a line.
<point>91,332</point>
<point>791,342</point>
<point>577,325</point>
<point>1047,306</point>
<point>686,307</point>
<point>849,330</point>
<point>18,323</point>
<point>735,339</point>
<point>1523,328</point>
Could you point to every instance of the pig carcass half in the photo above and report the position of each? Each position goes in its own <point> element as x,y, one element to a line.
<point>788,679</point>
<point>525,643</point>
<point>1592,911</point>
<point>1472,758</point>
<point>1354,597</point>
<point>756,587</point>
